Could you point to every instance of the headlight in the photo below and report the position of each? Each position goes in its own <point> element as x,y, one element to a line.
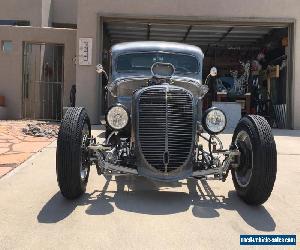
<point>214,121</point>
<point>117,117</point>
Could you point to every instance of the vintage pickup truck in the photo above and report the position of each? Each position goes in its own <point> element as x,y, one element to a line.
<point>155,127</point>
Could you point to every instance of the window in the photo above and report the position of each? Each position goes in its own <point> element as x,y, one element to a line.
<point>7,46</point>
<point>64,25</point>
<point>15,22</point>
<point>137,62</point>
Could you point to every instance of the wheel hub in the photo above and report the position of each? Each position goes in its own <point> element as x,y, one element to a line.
<point>245,158</point>
<point>244,172</point>
<point>84,153</point>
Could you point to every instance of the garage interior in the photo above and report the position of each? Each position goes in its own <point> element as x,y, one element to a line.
<point>251,60</point>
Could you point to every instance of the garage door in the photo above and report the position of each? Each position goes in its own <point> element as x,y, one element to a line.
<point>199,35</point>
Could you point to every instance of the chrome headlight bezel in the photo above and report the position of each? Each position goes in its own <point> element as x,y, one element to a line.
<point>117,108</point>
<point>206,124</point>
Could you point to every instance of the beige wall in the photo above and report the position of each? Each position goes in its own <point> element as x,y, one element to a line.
<point>40,13</point>
<point>88,25</point>
<point>36,11</point>
<point>47,13</point>
<point>11,64</point>
<point>65,11</point>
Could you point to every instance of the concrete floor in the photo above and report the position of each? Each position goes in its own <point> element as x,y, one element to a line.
<point>136,213</point>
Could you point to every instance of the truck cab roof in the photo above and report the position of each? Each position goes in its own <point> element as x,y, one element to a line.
<point>145,46</point>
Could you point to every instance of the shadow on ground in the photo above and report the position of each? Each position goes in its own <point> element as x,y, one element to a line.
<point>141,195</point>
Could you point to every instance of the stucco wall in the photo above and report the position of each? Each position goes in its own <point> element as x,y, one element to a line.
<point>38,12</point>
<point>11,64</point>
<point>65,11</point>
<point>47,13</point>
<point>30,10</point>
<point>88,11</point>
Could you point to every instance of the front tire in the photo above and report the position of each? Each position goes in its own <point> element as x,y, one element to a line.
<point>72,160</point>
<point>254,178</point>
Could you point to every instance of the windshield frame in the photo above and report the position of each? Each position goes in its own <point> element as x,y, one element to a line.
<point>116,74</point>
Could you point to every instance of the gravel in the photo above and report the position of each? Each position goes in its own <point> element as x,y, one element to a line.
<point>42,129</point>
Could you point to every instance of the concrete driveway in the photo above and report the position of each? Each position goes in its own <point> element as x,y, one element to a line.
<point>136,213</point>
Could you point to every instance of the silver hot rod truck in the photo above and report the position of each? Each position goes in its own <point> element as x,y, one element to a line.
<point>154,123</point>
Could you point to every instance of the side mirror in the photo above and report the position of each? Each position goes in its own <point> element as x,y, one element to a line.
<point>100,70</point>
<point>213,71</point>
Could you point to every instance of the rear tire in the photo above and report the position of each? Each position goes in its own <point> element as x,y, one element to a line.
<point>72,161</point>
<point>254,178</point>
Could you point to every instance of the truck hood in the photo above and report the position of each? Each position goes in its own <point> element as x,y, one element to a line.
<point>126,86</point>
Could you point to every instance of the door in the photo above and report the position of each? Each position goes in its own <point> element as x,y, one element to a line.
<point>43,74</point>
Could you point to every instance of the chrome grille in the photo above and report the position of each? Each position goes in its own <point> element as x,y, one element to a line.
<point>165,127</point>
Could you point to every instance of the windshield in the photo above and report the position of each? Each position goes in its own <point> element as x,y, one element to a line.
<point>142,62</point>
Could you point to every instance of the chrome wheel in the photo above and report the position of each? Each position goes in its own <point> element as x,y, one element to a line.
<point>84,169</point>
<point>243,173</point>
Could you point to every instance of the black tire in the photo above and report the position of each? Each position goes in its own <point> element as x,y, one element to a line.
<point>72,164</point>
<point>258,187</point>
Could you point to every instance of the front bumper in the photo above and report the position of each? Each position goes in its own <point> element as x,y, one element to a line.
<point>104,165</point>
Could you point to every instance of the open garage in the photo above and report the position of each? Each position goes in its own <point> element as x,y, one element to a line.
<point>252,59</point>
<point>227,29</point>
